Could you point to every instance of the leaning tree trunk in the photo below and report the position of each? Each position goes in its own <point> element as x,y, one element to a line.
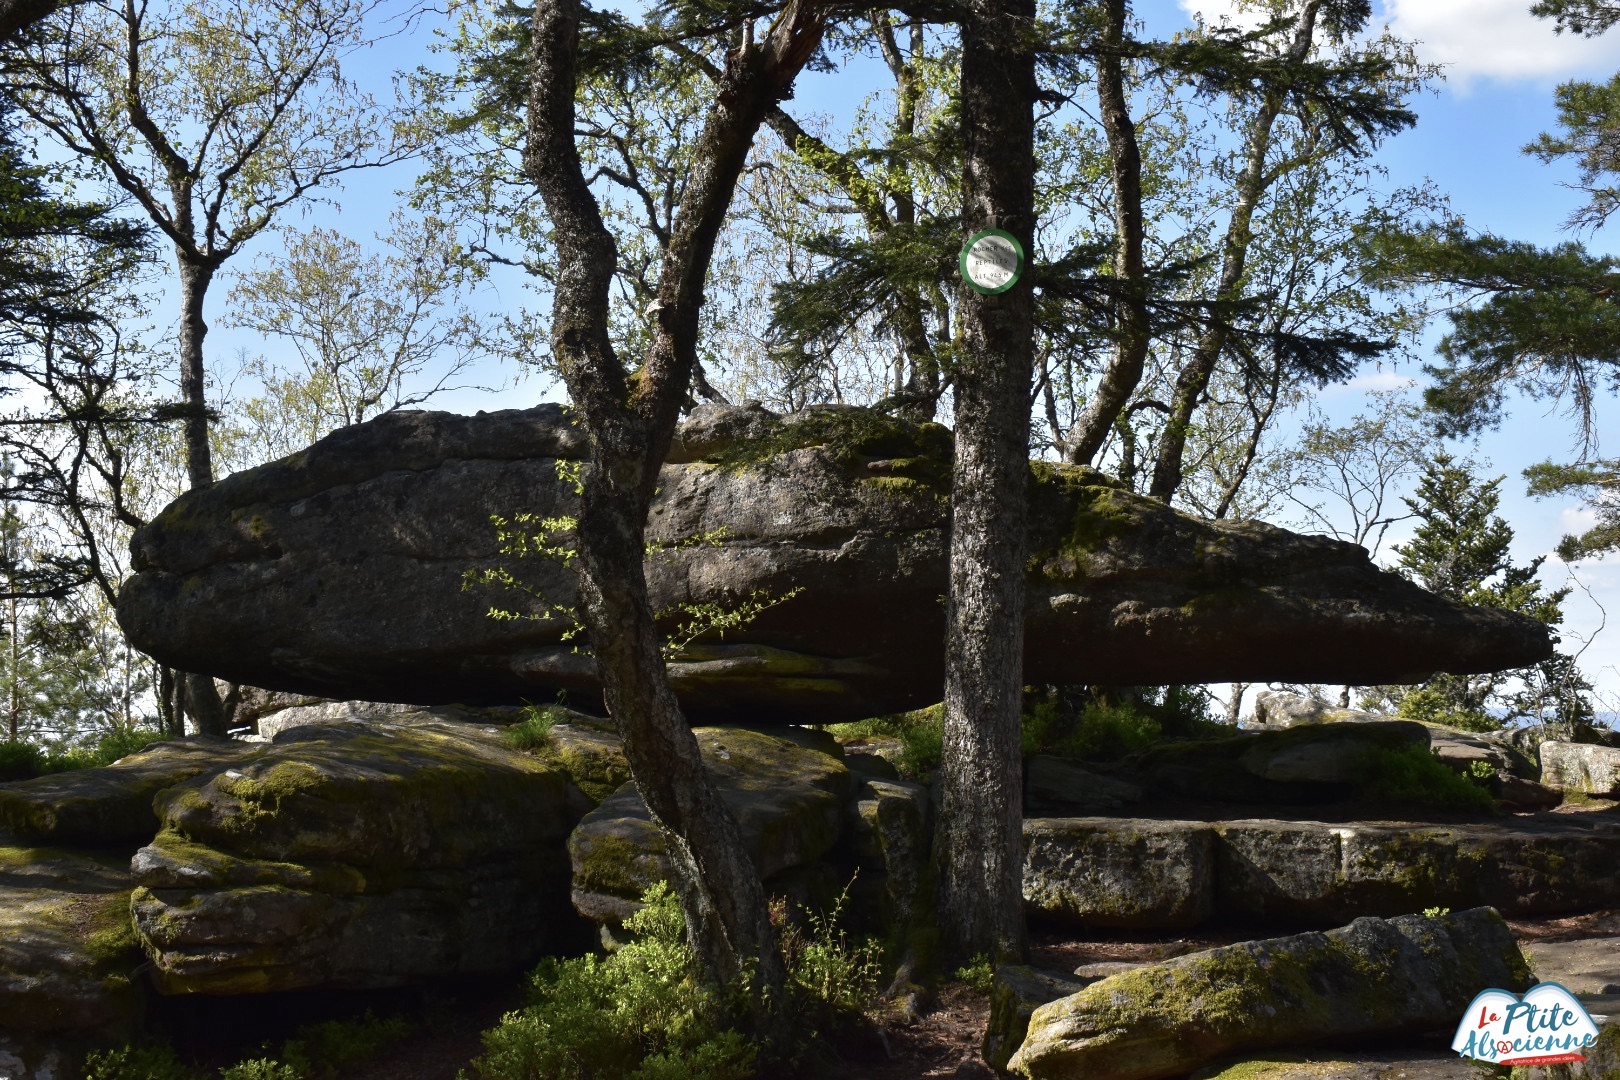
<point>1251,185</point>
<point>1120,379</point>
<point>979,843</point>
<point>629,421</point>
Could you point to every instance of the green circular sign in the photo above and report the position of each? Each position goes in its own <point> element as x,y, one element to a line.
<point>992,261</point>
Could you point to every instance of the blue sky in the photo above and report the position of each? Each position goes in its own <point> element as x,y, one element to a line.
<point>1501,68</point>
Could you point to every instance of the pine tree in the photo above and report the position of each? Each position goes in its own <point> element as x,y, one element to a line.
<point>1460,551</point>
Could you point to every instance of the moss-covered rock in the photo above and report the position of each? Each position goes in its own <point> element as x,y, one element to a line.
<point>1581,769</point>
<point>1017,992</point>
<point>112,804</point>
<point>357,854</point>
<point>1148,872</point>
<point>1119,872</point>
<point>67,949</point>
<point>338,572</point>
<point>1372,977</point>
<point>789,800</point>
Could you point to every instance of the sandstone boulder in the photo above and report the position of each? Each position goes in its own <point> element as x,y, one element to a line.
<point>1056,787</point>
<point>360,854</point>
<point>1144,872</point>
<point>1119,872</point>
<point>1372,977</point>
<point>789,800</point>
<point>339,572</point>
<point>889,828</point>
<point>109,805</point>
<point>67,952</point>
<point>1017,992</point>
<point>1300,765</point>
<point>1581,769</point>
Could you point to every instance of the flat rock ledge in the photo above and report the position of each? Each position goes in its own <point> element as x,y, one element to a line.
<point>1140,873</point>
<point>338,571</point>
<point>1372,977</point>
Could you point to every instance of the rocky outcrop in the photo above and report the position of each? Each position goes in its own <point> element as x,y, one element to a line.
<point>1581,769</point>
<point>1053,786</point>
<point>1119,873</point>
<point>1294,766</point>
<point>339,572</point>
<point>360,854</point>
<point>111,805</point>
<point>67,952</point>
<point>788,798</point>
<point>1372,977</point>
<point>1115,872</point>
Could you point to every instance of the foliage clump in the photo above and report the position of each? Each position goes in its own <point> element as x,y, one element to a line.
<point>1090,727</point>
<point>22,761</point>
<point>921,733</point>
<point>533,732</point>
<point>323,1051</point>
<point>642,1012</point>
<point>1413,777</point>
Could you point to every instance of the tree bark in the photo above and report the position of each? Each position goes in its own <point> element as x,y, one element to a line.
<point>629,422</point>
<point>979,843</point>
<point>1124,372</point>
<point>1251,185</point>
<point>195,278</point>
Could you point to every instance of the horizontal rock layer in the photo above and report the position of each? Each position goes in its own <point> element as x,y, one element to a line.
<point>339,571</point>
<point>1147,873</point>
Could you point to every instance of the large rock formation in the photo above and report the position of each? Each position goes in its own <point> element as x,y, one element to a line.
<point>339,571</point>
<point>1371,978</point>
<point>363,854</point>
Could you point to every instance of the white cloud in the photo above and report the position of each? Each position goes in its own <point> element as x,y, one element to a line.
<point>1474,39</point>
<point>1379,379</point>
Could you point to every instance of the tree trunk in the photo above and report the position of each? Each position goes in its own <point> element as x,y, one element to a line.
<point>629,422</point>
<point>200,696</point>
<point>979,843</point>
<point>194,281</point>
<point>1123,374</point>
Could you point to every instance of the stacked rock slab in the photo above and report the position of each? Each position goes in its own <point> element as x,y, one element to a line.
<point>339,572</point>
<point>789,798</point>
<point>1581,769</point>
<point>359,855</point>
<point>1372,977</point>
<point>1152,873</point>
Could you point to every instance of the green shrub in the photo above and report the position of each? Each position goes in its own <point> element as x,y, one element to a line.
<point>978,973</point>
<point>136,1063</point>
<point>20,761</point>
<point>838,978</point>
<point>921,733</point>
<point>1096,732</point>
<point>1413,777</point>
<point>1429,705</point>
<point>331,1049</point>
<point>261,1069</point>
<point>533,732</point>
<point>640,1013</point>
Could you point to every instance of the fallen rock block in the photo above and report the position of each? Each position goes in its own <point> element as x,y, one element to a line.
<point>789,800</point>
<point>1017,992</point>
<point>1057,787</point>
<point>1374,977</point>
<point>1148,872</point>
<point>1581,769</point>
<point>1123,873</point>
